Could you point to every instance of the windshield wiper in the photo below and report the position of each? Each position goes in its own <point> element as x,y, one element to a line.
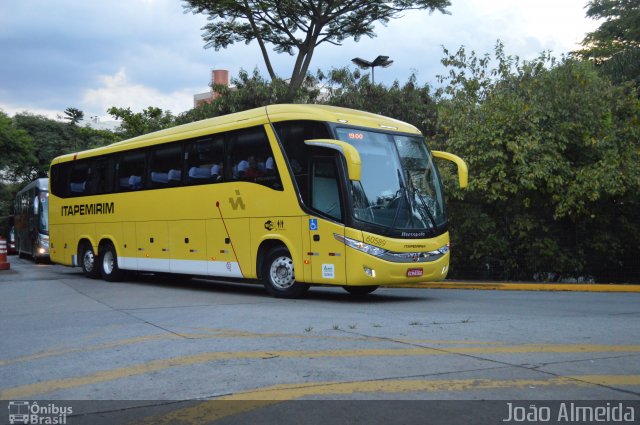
<point>415,192</point>
<point>403,194</point>
<point>406,199</point>
<point>432,219</point>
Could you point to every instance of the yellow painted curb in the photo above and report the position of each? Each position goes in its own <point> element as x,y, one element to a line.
<point>574,287</point>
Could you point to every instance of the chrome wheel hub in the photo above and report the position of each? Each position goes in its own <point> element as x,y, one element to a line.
<point>107,262</point>
<point>281,273</point>
<point>88,260</point>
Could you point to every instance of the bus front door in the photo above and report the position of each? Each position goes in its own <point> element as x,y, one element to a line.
<point>327,253</point>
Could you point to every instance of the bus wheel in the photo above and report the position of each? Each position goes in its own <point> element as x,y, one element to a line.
<point>108,261</point>
<point>278,275</point>
<point>360,290</point>
<point>90,266</point>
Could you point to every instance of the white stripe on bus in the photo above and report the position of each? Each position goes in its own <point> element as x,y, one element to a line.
<point>198,267</point>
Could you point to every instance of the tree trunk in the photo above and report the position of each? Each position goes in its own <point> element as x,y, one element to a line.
<point>263,49</point>
<point>305,53</point>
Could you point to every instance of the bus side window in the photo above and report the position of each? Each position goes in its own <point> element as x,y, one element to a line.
<point>292,135</point>
<point>166,161</point>
<point>252,159</point>
<point>59,180</point>
<point>130,169</point>
<point>205,160</point>
<point>325,188</point>
<point>100,172</point>
<point>79,176</point>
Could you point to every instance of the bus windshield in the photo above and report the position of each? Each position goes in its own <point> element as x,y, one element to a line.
<point>400,188</point>
<point>43,213</point>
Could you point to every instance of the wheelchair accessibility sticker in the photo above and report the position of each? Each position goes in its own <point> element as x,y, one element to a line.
<point>313,224</point>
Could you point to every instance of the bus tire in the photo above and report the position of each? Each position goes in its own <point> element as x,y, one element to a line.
<point>108,262</point>
<point>89,261</point>
<point>278,275</point>
<point>360,291</point>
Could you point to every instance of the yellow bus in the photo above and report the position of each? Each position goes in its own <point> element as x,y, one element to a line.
<point>290,195</point>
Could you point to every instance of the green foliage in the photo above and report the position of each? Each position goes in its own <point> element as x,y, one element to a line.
<point>554,159</point>
<point>139,123</point>
<point>29,142</point>
<point>7,195</point>
<point>52,138</point>
<point>250,91</point>
<point>620,28</point>
<point>297,26</point>
<point>73,115</point>
<point>623,66</point>
<point>615,44</point>
<point>340,87</point>
<point>17,149</point>
<point>408,102</point>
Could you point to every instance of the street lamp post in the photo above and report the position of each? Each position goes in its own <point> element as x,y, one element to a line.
<point>382,61</point>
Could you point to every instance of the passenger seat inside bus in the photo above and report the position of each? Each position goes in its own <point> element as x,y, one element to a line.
<point>77,187</point>
<point>196,173</point>
<point>124,183</point>
<point>157,177</point>
<point>174,176</point>
<point>135,182</point>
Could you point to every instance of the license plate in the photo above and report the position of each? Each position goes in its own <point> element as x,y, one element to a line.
<point>414,272</point>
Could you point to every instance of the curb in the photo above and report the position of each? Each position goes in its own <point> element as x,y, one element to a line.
<point>567,287</point>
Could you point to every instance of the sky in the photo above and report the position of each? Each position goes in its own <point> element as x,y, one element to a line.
<point>93,55</point>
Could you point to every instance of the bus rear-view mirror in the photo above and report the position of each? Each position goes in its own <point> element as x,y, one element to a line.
<point>463,170</point>
<point>349,153</point>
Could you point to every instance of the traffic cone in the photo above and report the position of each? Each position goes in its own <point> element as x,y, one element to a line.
<point>4,264</point>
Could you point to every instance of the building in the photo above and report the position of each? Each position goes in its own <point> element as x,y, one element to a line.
<point>218,76</point>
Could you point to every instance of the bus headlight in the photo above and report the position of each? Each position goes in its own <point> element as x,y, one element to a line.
<point>360,246</point>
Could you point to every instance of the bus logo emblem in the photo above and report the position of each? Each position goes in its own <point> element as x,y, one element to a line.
<point>238,202</point>
<point>270,225</point>
<point>19,412</point>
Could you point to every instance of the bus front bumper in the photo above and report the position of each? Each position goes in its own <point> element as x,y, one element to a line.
<point>365,269</point>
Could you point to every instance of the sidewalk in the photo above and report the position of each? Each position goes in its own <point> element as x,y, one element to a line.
<point>515,286</point>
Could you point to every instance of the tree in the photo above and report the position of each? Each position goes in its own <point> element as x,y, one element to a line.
<point>297,27</point>
<point>51,138</point>
<point>554,156</point>
<point>138,123</point>
<point>17,150</point>
<point>615,44</point>
<point>7,196</point>
<point>28,144</point>
<point>409,102</point>
<point>73,115</point>
<point>250,91</point>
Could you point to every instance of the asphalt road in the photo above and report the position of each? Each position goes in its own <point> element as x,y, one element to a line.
<point>65,337</point>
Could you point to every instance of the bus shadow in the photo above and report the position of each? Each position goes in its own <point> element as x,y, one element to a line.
<point>381,295</point>
<point>255,288</point>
